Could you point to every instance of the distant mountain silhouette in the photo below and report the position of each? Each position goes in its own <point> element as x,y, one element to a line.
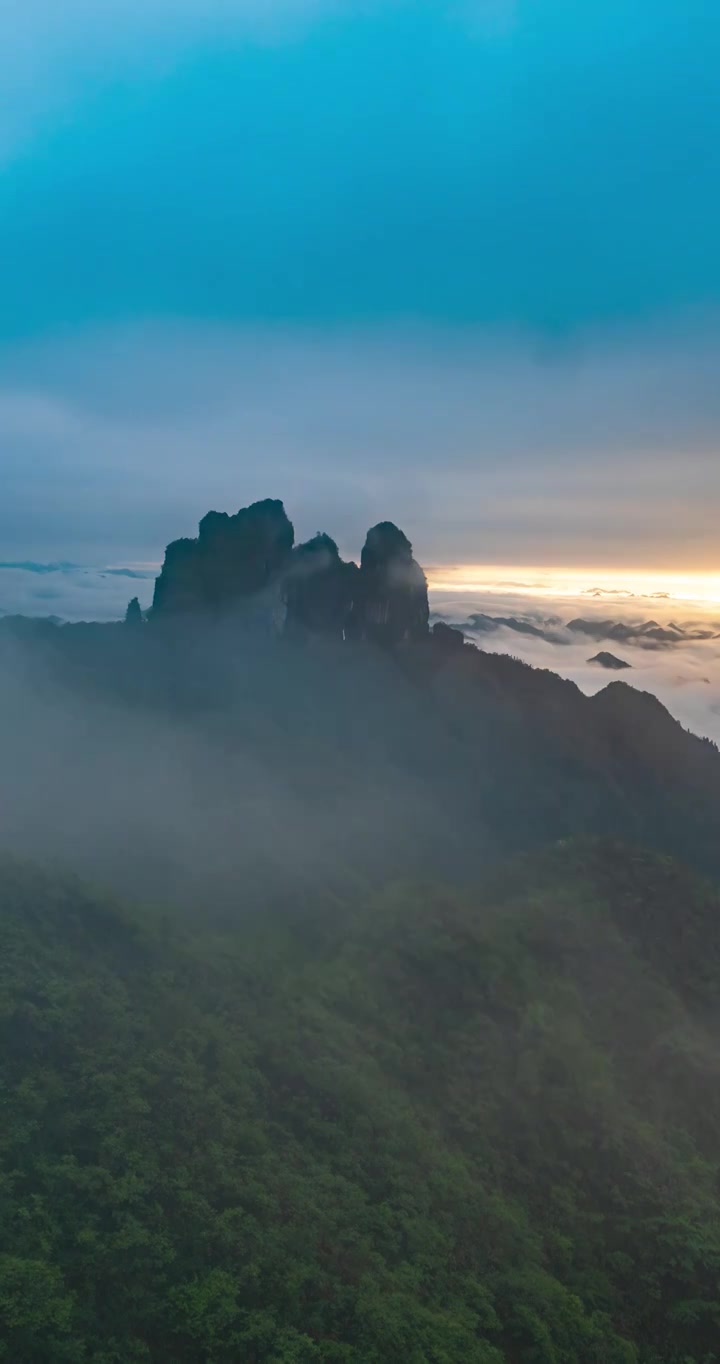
<point>611,661</point>
<point>487,624</point>
<point>648,634</point>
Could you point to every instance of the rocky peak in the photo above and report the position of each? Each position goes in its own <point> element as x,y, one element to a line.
<point>250,556</point>
<point>232,558</point>
<point>393,597</point>
<point>320,588</point>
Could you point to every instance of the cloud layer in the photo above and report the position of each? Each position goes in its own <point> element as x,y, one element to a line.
<point>684,675</point>
<point>71,592</point>
<point>483,447</point>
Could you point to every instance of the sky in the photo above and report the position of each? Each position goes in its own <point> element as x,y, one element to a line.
<point>451,262</point>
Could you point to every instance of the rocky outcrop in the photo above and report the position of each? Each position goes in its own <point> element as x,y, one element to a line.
<point>249,558</point>
<point>392,603</point>
<point>134,615</point>
<point>447,638</point>
<point>320,589</point>
<point>233,557</point>
<point>179,587</point>
<point>384,601</point>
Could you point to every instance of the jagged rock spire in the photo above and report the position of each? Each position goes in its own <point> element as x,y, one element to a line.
<point>320,589</point>
<point>134,615</point>
<point>392,601</point>
<point>232,558</point>
<point>250,554</point>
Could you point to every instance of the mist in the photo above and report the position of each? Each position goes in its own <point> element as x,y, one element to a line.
<point>220,765</point>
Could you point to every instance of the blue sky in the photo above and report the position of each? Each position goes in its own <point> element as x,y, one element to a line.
<point>553,168</point>
<point>481,236</point>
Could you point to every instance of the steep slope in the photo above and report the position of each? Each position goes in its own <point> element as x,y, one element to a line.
<point>447,1129</point>
<point>224,756</point>
<point>552,761</point>
<point>285,719</point>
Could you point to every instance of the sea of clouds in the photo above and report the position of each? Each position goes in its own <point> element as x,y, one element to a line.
<point>72,592</point>
<point>683,672</point>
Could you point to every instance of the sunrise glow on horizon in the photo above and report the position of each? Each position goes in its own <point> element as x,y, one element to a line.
<point>692,587</point>
<point>700,589</point>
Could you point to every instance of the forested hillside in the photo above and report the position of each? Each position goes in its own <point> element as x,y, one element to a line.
<point>388,1051</point>
<point>425,1126</point>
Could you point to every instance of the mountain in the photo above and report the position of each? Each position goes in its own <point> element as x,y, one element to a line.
<point>284,718</point>
<point>474,1128</point>
<point>647,633</point>
<point>610,661</point>
<point>402,1044</point>
<point>217,750</point>
<point>552,762</point>
<point>479,623</point>
<point>250,558</point>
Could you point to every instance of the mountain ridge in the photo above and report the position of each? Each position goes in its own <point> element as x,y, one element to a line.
<point>375,740</point>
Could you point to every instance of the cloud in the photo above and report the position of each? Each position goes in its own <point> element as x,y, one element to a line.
<point>29,567</point>
<point>481,446</point>
<point>41,30</point>
<point>71,592</point>
<point>643,634</point>
<point>55,55</point>
<point>684,675</point>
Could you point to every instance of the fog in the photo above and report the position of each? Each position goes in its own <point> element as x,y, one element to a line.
<point>212,765</point>
<point>214,762</point>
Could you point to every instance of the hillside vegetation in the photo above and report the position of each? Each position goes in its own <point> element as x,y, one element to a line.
<point>426,1126</point>
<point>387,1052</point>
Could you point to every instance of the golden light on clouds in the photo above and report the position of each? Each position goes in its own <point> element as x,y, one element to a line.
<point>697,589</point>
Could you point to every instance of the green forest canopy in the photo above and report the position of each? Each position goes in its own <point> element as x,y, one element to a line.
<point>428,1127</point>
